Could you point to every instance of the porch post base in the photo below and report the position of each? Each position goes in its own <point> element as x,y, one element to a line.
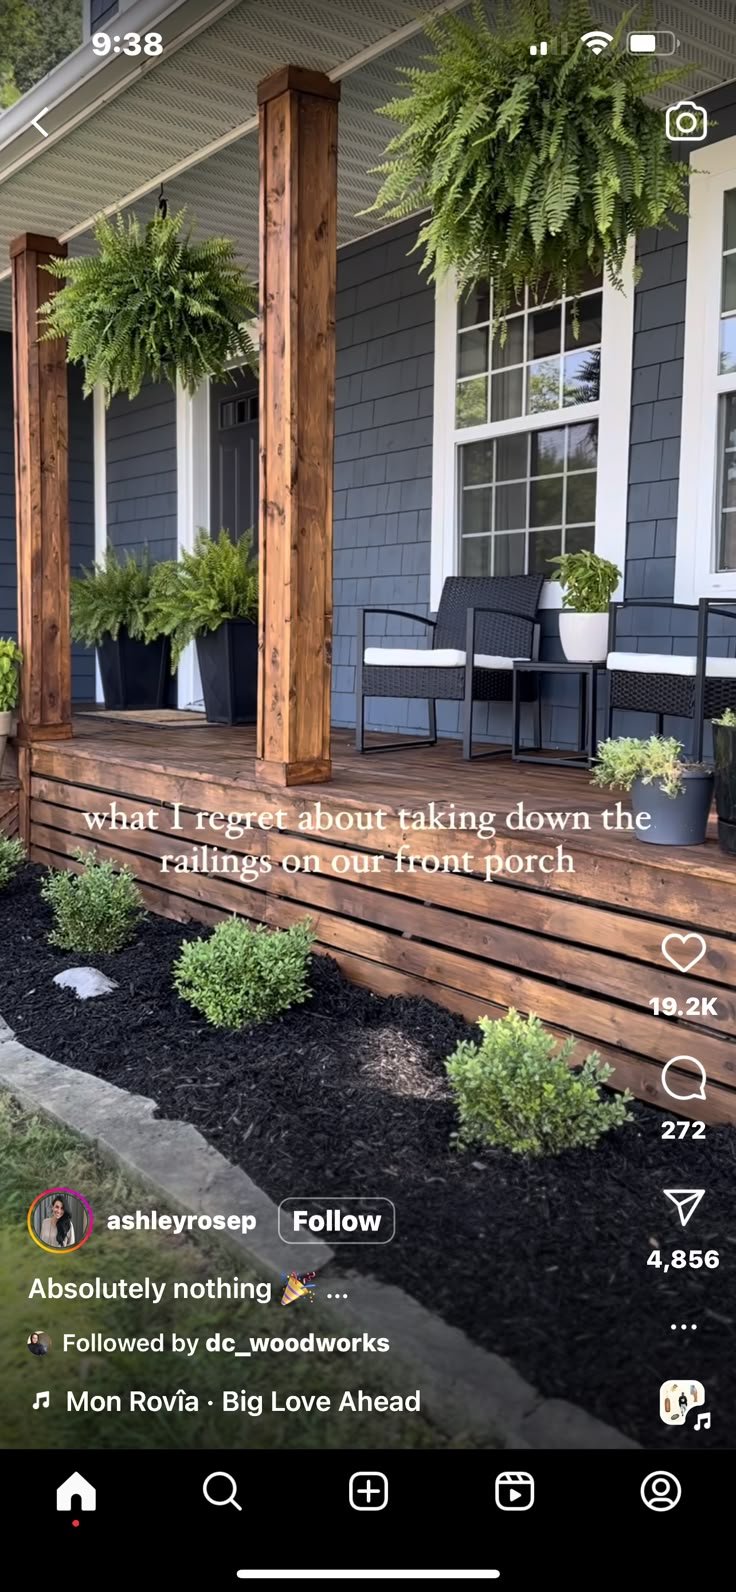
<point>312,771</point>
<point>28,734</point>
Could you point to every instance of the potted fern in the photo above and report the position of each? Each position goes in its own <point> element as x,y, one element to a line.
<point>676,795</point>
<point>588,584</point>
<point>10,662</point>
<point>724,749</point>
<point>152,305</point>
<point>110,611</point>
<point>211,597</point>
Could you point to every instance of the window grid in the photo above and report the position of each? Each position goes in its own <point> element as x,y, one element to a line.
<point>484,380</point>
<point>497,537</point>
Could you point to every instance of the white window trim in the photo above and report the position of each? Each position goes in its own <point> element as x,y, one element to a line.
<point>192,506</point>
<point>697,515</point>
<point>613,412</point>
<point>99,465</point>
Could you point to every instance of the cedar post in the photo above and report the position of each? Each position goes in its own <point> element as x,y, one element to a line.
<point>42,503</point>
<point>298,268</point>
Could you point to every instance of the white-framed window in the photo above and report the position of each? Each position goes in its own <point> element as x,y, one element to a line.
<point>706,520</point>
<point>531,431</point>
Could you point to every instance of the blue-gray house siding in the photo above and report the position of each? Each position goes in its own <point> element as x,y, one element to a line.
<point>141,471</point>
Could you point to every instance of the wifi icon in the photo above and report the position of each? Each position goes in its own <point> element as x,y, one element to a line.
<point>597,40</point>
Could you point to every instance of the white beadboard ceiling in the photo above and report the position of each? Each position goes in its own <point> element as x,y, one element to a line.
<point>206,91</point>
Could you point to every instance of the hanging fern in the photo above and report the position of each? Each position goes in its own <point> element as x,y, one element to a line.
<point>534,170</point>
<point>218,580</point>
<point>152,305</point>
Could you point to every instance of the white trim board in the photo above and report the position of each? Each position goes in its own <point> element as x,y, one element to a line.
<point>695,572</point>
<point>613,412</point>
<point>99,457</point>
<point>192,506</point>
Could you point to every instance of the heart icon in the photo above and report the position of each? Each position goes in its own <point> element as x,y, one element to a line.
<point>685,942</point>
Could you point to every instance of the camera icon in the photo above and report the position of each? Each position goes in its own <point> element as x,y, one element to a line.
<point>686,123</point>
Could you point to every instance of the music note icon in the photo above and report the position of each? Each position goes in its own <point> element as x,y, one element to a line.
<point>42,1401</point>
<point>703,1420</point>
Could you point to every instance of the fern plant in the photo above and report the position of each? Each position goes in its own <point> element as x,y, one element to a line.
<point>218,580</point>
<point>11,659</point>
<point>113,595</point>
<point>535,170</point>
<point>152,305</point>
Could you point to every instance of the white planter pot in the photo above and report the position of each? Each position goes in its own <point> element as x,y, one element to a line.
<point>6,725</point>
<point>584,637</point>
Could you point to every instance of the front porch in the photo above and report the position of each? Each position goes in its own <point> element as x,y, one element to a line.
<point>580,945</point>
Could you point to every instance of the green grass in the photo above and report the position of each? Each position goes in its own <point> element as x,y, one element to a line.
<point>36,1153</point>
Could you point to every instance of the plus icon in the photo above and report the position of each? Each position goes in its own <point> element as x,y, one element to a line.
<point>368,1490</point>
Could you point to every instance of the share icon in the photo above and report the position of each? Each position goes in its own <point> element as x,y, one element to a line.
<point>686,1201</point>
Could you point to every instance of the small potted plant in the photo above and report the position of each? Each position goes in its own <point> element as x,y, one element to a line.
<point>211,596</point>
<point>10,662</point>
<point>588,584</point>
<point>724,750</point>
<point>674,793</point>
<point>110,611</point>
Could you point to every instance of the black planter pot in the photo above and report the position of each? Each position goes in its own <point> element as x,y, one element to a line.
<point>135,674</point>
<point>228,664</point>
<point>724,748</point>
<point>675,820</point>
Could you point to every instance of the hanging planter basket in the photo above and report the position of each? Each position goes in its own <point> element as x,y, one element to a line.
<point>535,170</point>
<point>152,305</point>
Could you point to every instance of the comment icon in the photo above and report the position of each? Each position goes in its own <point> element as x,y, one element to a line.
<point>679,1087</point>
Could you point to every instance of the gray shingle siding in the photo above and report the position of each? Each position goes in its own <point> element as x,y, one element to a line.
<point>141,471</point>
<point>81,506</point>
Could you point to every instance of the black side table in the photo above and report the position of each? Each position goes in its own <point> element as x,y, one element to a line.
<point>587,675</point>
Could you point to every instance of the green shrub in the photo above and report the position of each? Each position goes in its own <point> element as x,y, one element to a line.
<point>110,595</point>
<point>727,719</point>
<point>10,662</point>
<point>588,581</point>
<point>658,761</point>
<point>241,975</point>
<point>517,1091</point>
<point>98,909</point>
<point>218,580</point>
<point>12,857</point>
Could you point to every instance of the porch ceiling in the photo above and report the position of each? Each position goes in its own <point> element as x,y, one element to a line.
<point>197,109</point>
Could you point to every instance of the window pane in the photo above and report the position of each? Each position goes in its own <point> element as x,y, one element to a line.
<point>727,482</point>
<point>512,351</point>
<point>582,378</point>
<point>476,463</point>
<point>582,446</point>
<point>590,319</point>
<point>475,556</point>
<point>544,386</point>
<point>545,504</point>
<point>728,542</point>
<point>580,499</point>
<point>543,545</point>
<point>511,458</point>
<point>511,508</point>
<point>507,395</point>
<point>548,450</point>
<point>729,220</point>
<point>545,331</point>
<point>580,539</point>
<point>729,438</point>
<point>728,300</point>
<point>472,402</point>
<point>510,554</point>
<point>476,306</point>
<point>728,346</point>
<point>476,510</point>
<point>472,352</point>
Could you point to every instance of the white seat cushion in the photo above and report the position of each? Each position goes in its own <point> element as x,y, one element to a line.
<point>669,663</point>
<point>432,658</point>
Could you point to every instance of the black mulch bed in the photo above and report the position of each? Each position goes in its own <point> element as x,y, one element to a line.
<point>544,1262</point>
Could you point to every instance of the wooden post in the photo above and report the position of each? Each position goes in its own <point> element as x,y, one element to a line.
<point>298,268</point>
<point>41,502</point>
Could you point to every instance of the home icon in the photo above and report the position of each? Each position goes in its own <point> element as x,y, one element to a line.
<point>75,1487</point>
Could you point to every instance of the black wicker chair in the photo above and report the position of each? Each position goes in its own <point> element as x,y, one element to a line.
<point>489,619</point>
<point>697,686</point>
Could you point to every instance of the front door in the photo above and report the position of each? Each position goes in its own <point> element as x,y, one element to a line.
<point>234,455</point>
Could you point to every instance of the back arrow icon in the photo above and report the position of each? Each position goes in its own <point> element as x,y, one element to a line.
<point>37,122</point>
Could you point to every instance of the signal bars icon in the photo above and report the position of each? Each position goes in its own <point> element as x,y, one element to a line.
<point>539,49</point>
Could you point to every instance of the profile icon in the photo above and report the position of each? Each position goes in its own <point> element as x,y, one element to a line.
<point>38,1343</point>
<point>60,1220</point>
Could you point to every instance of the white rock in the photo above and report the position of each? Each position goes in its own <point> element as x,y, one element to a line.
<point>86,982</point>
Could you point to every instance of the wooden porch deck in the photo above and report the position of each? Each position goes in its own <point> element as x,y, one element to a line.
<point>581,947</point>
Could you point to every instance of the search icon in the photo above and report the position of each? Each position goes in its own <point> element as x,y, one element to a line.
<point>230,1499</point>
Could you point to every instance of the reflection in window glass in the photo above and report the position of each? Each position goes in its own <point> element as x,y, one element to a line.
<point>525,498</point>
<point>534,362</point>
<point>727,483</point>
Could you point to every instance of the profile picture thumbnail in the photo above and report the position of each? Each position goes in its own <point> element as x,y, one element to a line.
<point>38,1343</point>
<point>60,1220</point>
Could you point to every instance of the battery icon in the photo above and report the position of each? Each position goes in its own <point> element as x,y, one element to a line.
<point>663,43</point>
